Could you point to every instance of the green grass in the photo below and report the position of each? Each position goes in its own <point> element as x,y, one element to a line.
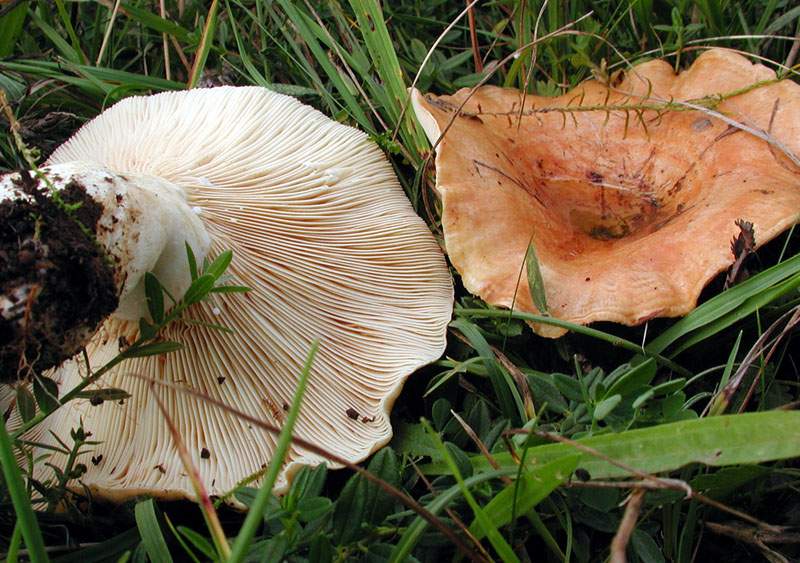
<point>599,386</point>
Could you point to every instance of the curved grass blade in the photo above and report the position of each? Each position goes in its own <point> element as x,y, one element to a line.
<point>256,514</point>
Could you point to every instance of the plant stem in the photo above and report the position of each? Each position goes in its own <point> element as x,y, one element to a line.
<point>13,545</point>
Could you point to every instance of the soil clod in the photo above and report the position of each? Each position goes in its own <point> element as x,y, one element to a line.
<point>55,284</point>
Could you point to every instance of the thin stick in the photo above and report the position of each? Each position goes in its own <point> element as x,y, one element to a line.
<point>206,506</point>
<point>165,42</point>
<point>792,56</point>
<point>626,527</point>
<point>473,37</point>
<point>425,62</point>
<point>481,446</point>
<point>107,34</point>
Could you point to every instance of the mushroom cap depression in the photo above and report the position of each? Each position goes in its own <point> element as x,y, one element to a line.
<point>629,217</point>
<point>331,248</point>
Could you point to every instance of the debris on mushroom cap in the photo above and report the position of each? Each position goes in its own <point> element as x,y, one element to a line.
<point>324,236</point>
<point>630,214</point>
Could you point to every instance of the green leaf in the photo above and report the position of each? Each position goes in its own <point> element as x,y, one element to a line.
<point>379,504</point>
<point>104,551</point>
<point>155,297</point>
<point>321,550</point>
<point>545,391</point>
<point>313,507</point>
<point>460,459</point>
<point>26,404</point>
<point>363,503</point>
<point>13,88</point>
<point>206,42</point>
<point>724,482</point>
<point>46,392</point>
<point>10,27</point>
<point>309,482</point>
<point>149,527</point>
<point>18,492</point>
<point>245,495</point>
<point>578,329</point>
<point>66,50</point>
<point>669,387</point>
<point>146,330</point>
<point>383,56</point>
<point>219,265</point>
<point>443,499</point>
<point>642,399</point>
<point>606,406</point>
<point>411,439</point>
<point>634,379</point>
<point>271,550</point>
<point>716,441</point>
<point>646,547</point>
<point>199,542</point>
<point>534,484</point>
<point>306,30</point>
<point>152,349</point>
<point>568,386</point>
<point>498,542</point>
<point>190,257</point>
<point>108,76</point>
<point>535,279</point>
<point>199,289</point>
<point>349,512</point>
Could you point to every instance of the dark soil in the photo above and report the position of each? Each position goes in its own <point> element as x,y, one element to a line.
<point>55,284</point>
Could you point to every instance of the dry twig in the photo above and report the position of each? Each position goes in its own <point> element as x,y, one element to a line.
<point>626,527</point>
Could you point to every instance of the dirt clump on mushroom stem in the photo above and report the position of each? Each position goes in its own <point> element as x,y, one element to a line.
<point>54,279</point>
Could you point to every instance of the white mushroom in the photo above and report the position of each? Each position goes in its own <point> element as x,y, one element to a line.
<point>324,236</point>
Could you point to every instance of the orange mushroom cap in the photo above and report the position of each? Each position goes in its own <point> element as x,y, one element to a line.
<point>631,212</point>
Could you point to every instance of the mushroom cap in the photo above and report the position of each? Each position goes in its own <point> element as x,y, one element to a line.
<point>629,217</point>
<point>331,248</point>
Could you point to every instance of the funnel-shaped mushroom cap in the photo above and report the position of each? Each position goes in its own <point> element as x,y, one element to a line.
<point>630,217</point>
<point>324,236</point>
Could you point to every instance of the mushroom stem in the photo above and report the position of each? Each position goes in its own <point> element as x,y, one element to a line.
<point>75,243</point>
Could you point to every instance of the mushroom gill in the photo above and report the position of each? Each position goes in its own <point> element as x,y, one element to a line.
<point>629,192</point>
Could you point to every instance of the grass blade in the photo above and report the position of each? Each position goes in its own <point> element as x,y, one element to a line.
<point>256,514</point>
<point>150,530</point>
<point>379,44</point>
<point>487,526</point>
<point>534,484</point>
<point>26,519</point>
<point>111,549</point>
<point>726,302</point>
<point>206,41</point>
<point>305,31</point>
<point>10,27</point>
<point>506,392</point>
